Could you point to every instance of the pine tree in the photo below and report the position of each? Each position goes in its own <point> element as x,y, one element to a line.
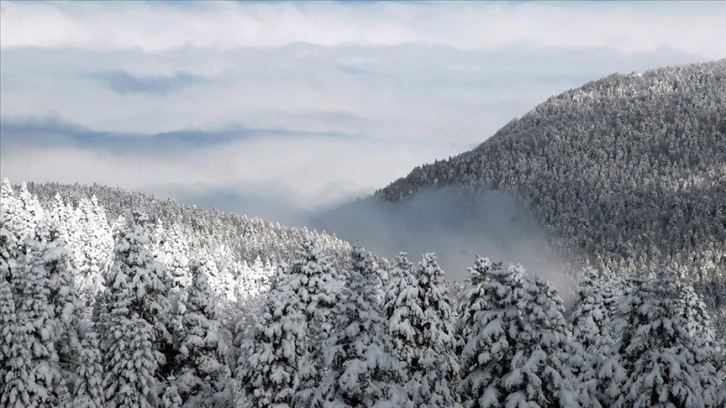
<point>204,379</point>
<point>437,340</point>
<point>538,375</point>
<point>8,248</point>
<point>472,299</point>
<point>130,362</point>
<point>718,389</point>
<point>314,282</point>
<point>7,327</point>
<point>621,296</point>
<point>62,297</point>
<point>584,352</point>
<point>95,242</point>
<point>420,322</point>
<point>172,250</point>
<point>59,214</point>
<point>489,350</point>
<point>363,372</point>
<point>134,319</point>
<point>88,392</point>
<point>400,303</point>
<point>273,350</point>
<point>26,215</point>
<point>171,397</point>
<point>665,365</point>
<point>34,376</point>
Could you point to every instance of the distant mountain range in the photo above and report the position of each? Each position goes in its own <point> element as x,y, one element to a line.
<point>627,172</point>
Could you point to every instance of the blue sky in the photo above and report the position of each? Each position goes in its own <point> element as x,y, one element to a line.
<point>253,106</point>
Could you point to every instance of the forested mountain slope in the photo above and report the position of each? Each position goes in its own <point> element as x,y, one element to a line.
<point>240,253</point>
<point>628,171</point>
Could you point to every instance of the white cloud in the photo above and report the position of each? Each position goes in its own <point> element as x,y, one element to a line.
<point>308,172</point>
<point>399,83</point>
<point>694,27</point>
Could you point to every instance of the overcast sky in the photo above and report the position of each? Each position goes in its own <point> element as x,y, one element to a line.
<point>262,107</point>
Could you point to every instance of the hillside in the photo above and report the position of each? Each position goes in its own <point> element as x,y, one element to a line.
<point>628,171</point>
<point>240,252</point>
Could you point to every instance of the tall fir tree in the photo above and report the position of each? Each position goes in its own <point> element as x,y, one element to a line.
<point>63,296</point>
<point>665,365</point>
<point>93,247</point>
<point>130,362</point>
<point>419,314</point>
<point>584,351</point>
<point>8,324</point>
<point>8,247</point>
<point>538,374</point>
<point>621,296</point>
<point>364,372</point>
<point>400,301</point>
<point>472,299</point>
<point>273,350</point>
<point>135,319</point>
<point>314,281</point>
<point>34,375</point>
<point>438,367</point>
<point>88,392</point>
<point>204,379</point>
<point>487,356</point>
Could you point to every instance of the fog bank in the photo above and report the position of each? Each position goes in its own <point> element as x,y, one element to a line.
<point>456,224</point>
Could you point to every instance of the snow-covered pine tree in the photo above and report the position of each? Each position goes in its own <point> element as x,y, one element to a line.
<point>172,249</point>
<point>701,330</point>
<point>134,319</point>
<point>434,374</point>
<point>363,372</point>
<point>28,213</point>
<point>20,214</point>
<point>93,247</point>
<point>6,192</point>
<point>400,301</point>
<point>130,361</point>
<point>34,377</point>
<point>60,215</point>
<point>620,296</point>
<point>88,392</point>
<point>7,248</point>
<point>273,350</point>
<point>314,281</point>
<point>419,315</point>
<point>171,397</point>
<point>538,374</point>
<point>665,366</point>
<point>204,379</point>
<point>584,353</point>
<point>472,299</point>
<point>7,327</point>
<point>698,319</point>
<point>719,386</point>
<point>63,296</point>
<point>489,350</point>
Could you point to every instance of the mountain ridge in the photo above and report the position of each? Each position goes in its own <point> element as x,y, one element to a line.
<point>628,171</point>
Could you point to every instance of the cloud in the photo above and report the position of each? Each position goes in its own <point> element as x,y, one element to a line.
<point>413,92</point>
<point>695,27</point>
<point>124,83</point>
<point>60,133</point>
<point>299,171</point>
<point>457,225</point>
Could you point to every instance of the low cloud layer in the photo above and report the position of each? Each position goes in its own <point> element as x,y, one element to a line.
<point>157,27</point>
<point>262,172</point>
<point>457,225</point>
<point>124,83</point>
